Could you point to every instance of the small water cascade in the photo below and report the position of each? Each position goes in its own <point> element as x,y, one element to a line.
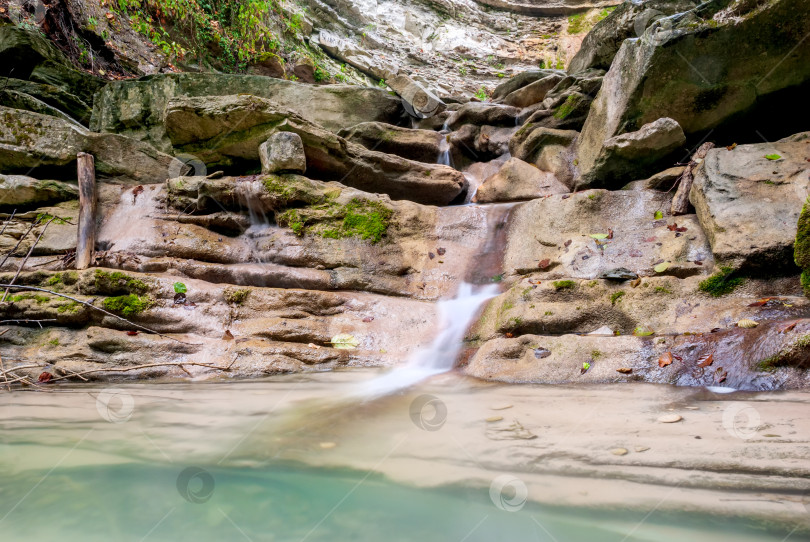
<point>457,315</point>
<point>444,151</point>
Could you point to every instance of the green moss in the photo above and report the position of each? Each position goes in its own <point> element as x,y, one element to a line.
<point>117,282</point>
<point>721,283</point>
<point>795,352</point>
<point>70,308</point>
<point>662,290</point>
<point>128,305</point>
<point>548,313</point>
<point>564,284</point>
<point>236,296</point>
<point>567,107</point>
<point>616,296</point>
<point>596,354</point>
<point>577,23</point>
<point>507,305</point>
<point>26,297</point>
<point>54,342</point>
<point>805,278</point>
<point>368,220</point>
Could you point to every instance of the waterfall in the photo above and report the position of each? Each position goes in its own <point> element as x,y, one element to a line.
<point>444,147</point>
<point>456,316</point>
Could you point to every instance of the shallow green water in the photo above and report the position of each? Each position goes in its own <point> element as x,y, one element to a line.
<point>68,475</point>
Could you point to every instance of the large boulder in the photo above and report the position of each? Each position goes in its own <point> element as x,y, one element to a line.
<point>226,130</point>
<point>749,205</point>
<point>635,154</point>
<point>483,113</point>
<point>546,8</point>
<point>31,140</point>
<point>629,20</point>
<point>24,191</point>
<point>549,149</point>
<point>516,181</point>
<point>40,93</point>
<point>519,81</point>
<point>587,234</point>
<point>136,108</point>
<point>420,145</point>
<point>704,70</point>
<point>533,92</point>
<point>283,152</point>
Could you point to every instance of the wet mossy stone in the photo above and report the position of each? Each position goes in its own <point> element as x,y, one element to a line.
<point>801,248</point>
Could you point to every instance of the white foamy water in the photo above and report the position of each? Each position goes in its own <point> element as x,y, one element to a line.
<point>456,316</point>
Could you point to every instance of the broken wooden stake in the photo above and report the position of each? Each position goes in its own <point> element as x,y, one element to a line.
<point>680,201</point>
<point>86,242</point>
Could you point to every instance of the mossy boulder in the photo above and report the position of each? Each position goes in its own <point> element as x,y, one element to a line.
<point>801,249</point>
<point>23,191</point>
<point>744,68</point>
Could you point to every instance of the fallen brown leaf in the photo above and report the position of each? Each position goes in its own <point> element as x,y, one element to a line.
<point>705,361</point>
<point>509,335</point>
<point>788,327</point>
<point>542,264</point>
<point>227,336</point>
<point>44,377</point>
<point>636,282</point>
<point>132,333</point>
<point>665,359</point>
<point>731,147</point>
<point>624,370</point>
<point>368,319</point>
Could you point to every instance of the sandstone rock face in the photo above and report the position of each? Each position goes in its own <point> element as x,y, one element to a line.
<point>749,205</point>
<point>283,152</point>
<point>628,20</point>
<point>483,114</point>
<point>730,51</point>
<point>221,130</point>
<point>633,154</point>
<point>53,96</point>
<point>136,108</point>
<point>30,140</point>
<point>516,181</point>
<point>545,7</point>
<point>417,100</point>
<point>549,149</point>
<point>573,234</point>
<point>420,145</point>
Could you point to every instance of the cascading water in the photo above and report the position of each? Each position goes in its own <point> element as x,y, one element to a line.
<point>444,157</point>
<point>456,316</point>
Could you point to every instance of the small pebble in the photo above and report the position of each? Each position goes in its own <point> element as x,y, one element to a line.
<point>619,451</point>
<point>669,418</point>
<point>500,407</point>
<point>640,449</point>
<point>492,419</point>
<point>327,445</point>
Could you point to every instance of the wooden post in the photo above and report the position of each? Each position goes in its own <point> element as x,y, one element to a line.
<point>86,242</point>
<point>680,202</point>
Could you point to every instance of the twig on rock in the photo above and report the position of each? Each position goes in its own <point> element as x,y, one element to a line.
<point>108,313</point>
<point>14,212</point>
<point>13,250</point>
<point>25,260</point>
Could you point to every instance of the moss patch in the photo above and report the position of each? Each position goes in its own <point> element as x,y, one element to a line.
<point>368,220</point>
<point>789,355</point>
<point>616,296</point>
<point>236,296</point>
<point>567,107</point>
<point>721,283</point>
<point>564,284</point>
<point>117,283</point>
<point>128,305</point>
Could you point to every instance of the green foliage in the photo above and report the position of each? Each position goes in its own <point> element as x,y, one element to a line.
<point>481,94</point>
<point>564,284</point>
<point>604,13</point>
<point>576,23</point>
<point>368,220</point>
<point>365,219</point>
<point>32,297</point>
<point>616,296</point>
<point>127,305</point>
<point>773,156</point>
<point>71,307</point>
<point>662,290</point>
<point>596,354</point>
<point>721,283</point>
<point>231,33</point>
<point>54,342</point>
<point>179,288</point>
<point>658,215</point>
